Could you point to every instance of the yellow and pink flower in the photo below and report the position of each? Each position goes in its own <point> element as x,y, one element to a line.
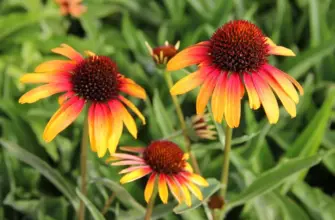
<point>94,81</point>
<point>164,161</point>
<point>235,59</point>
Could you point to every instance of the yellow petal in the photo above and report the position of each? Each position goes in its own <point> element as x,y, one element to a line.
<point>44,91</point>
<point>135,175</point>
<point>188,83</point>
<point>218,98</point>
<point>162,189</point>
<point>128,120</point>
<point>133,108</point>
<point>149,187</point>
<point>67,113</point>
<point>205,94</point>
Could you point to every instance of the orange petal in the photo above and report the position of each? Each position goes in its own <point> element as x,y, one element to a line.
<point>55,65</point>
<point>189,56</point>
<point>205,92</point>
<point>288,104</point>
<point>44,91</point>
<point>283,81</point>
<point>117,126</point>
<point>131,88</point>
<point>232,105</point>
<point>132,107</point>
<point>267,98</point>
<point>135,175</point>
<point>65,115</point>
<point>218,97</point>
<point>162,188</point>
<point>68,52</point>
<point>45,77</point>
<point>254,101</point>
<point>174,189</point>
<point>99,127</point>
<point>296,84</point>
<point>188,83</point>
<point>149,187</point>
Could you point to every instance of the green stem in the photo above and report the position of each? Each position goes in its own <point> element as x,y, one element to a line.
<point>181,118</point>
<point>173,135</point>
<point>150,205</point>
<point>225,167</point>
<point>83,167</point>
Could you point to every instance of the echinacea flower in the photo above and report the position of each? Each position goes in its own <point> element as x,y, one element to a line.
<point>72,7</point>
<point>235,58</point>
<point>94,81</point>
<point>166,162</point>
<point>198,127</point>
<point>162,54</point>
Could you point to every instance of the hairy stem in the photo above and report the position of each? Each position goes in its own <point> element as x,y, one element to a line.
<point>83,167</point>
<point>181,118</point>
<point>225,167</point>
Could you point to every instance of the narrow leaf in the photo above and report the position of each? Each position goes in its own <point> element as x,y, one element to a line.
<point>91,207</point>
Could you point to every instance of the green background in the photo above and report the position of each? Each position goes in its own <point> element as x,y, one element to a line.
<point>271,175</point>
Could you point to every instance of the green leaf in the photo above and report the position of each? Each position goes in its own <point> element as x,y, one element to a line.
<point>162,117</point>
<point>310,139</point>
<point>91,207</point>
<point>48,172</point>
<point>207,192</point>
<point>122,194</point>
<point>272,179</point>
<point>298,66</point>
<point>317,203</point>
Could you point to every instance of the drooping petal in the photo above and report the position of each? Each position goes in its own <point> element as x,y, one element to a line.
<point>149,187</point>
<point>218,97</point>
<point>117,125</point>
<point>205,92</point>
<point>174,189</point>
<point>44,91</point>
<point>233,95</point>
<point>162,188</point>
<point>65,115</point>
<point>134,175</point>
<point>283,81</point>
<point>267,98</point>
<point>132,107</point>
<point>126,157</point>
<point>99,127</point>
<point>189,56</point>
<point>128,120</point>
<point>188,83</point>
<point>65,97</point>
<point>68,52</point>
<point>132,168</point>
<point>129,87</point>
<point>184,190</point>
<point>197,179</point>
<point>45,77</point>
<point>278,50</point>
<point>296,84</point>
<point>193,188</point>
<point>55,65</point>
<point>128,162</point>
<point>288,103</point>
<point>254,101</point>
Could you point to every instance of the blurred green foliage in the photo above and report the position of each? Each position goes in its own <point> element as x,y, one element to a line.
<point>39,180</point>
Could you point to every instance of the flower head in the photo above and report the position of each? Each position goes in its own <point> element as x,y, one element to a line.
<point>72,7</point>
<point>94,81</point>
<point>162,54</point>
<point>199,128</point>
<point>233,59</point>
<point>165,161</point>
